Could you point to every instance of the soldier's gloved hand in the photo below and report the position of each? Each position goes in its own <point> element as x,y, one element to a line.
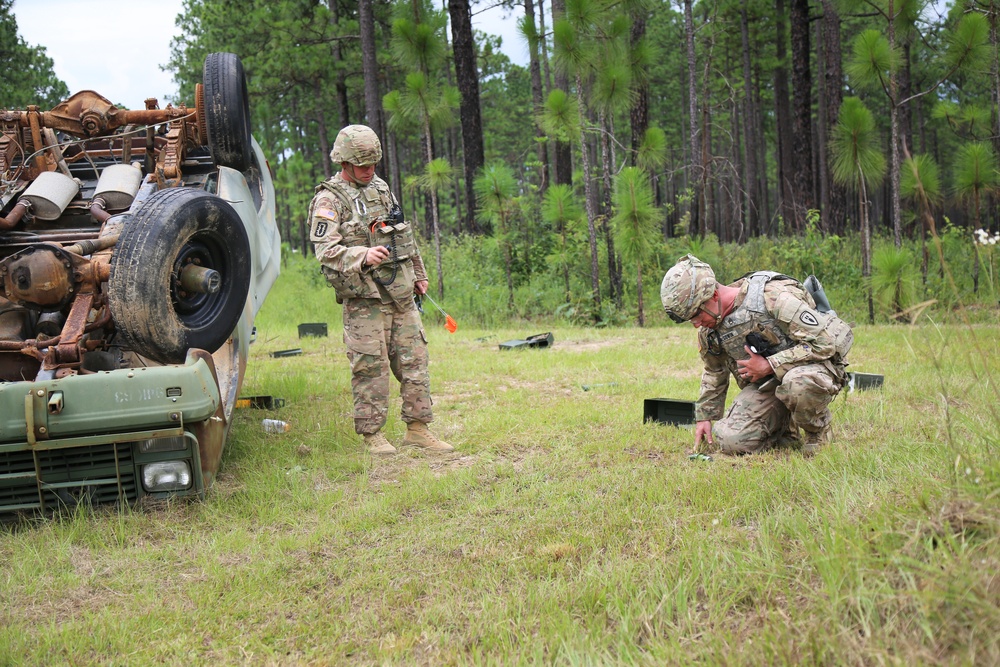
<point>376,255</point>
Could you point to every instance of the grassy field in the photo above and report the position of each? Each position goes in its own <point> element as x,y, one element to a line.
<point>563,530</point>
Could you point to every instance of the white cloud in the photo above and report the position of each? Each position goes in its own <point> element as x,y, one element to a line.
<point>114,47</point>
<point>497,20</point>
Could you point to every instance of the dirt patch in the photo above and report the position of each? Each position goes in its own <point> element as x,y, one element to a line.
<point>387,470</point>
<point>590,345</point>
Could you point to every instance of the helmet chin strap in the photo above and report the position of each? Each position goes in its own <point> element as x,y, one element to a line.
<point>717,316</point>
<point>350,174</point>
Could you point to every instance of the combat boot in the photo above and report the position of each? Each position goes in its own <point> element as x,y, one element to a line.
<point>815,440</point>
<point>378,445</point>
<point>418,435</point>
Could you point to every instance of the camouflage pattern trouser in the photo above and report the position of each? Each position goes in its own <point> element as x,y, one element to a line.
<point>380,339</point>
<point>757,419</point>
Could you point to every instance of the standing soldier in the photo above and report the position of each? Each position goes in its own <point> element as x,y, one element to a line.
<point>369,255</point>
<point>788,358</point>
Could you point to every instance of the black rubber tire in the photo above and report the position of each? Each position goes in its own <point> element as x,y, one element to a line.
<point>156,318</point>
<point>227,111</point>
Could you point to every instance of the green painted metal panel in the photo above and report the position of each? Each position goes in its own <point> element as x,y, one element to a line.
<point>108,402</point>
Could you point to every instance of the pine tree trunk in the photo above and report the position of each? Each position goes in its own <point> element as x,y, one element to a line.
<point>696,176</point>
<point>324,142</point>
<point>638,288</point>
<point>782,116</point>
<point>834,206</point>
<point>535,69</point>
<point>866,244</point>
<point>802,172</point>
<point>467,76</point>
<point>564,156</point>
<point>639,113</point>
<point>708,218</point>
<point>588,196</point>
<point>749,133</point>
<point>429,155</point>
<point>607,159</point>
<point>369,66</point>
<point>894,136</point>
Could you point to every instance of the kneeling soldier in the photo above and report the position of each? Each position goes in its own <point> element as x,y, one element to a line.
<point>788,358</point>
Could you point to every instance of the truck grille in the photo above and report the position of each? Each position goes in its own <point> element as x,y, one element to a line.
<point>69,476</point>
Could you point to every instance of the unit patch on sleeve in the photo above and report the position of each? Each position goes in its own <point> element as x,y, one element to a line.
<point>808,319</point>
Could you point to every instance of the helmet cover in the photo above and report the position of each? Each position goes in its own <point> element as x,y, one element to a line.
<point>358,145</point>
<point>687,285</point>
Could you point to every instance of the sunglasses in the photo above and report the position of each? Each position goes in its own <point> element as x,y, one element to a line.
<point>676,318</point>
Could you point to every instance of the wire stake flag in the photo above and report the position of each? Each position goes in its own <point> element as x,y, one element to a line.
<point>449,322</point>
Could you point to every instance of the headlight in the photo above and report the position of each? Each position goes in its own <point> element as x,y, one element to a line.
<point>173,444</point>
<point>166,476</point>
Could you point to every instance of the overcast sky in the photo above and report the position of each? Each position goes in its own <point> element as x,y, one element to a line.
<point>116,47</point>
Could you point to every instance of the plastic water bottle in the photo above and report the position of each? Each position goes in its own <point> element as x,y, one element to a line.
<point>276,426</point>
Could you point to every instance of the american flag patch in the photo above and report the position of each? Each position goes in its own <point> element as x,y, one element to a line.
<point>327,213</point>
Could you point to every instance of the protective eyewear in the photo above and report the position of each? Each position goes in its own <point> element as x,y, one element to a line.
<point>676,318</point>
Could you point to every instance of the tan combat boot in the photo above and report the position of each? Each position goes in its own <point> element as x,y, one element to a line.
<point>378,445</point>
<point>418,435</point>
<point>815,440</point>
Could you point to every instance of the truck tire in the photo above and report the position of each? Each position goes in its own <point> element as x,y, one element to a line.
<point>155,315</point>
<point>227,111</point>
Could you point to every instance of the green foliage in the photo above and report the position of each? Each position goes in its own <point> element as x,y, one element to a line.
<point>856,154</point>
<point>919,179</point>
<point>968,120</point>
<point>652,150</point>
<point>495,190</point>
<point>560,117</point>
<point>969,45</point>
<point>437,174</point>
<point>871,61</point>
<point>613,91</point>
<point>560,206</point>
<point>419,43</point>
<point>564,215</point>
<point>422,103</point>
<point>895,278</point>
<point>975,170</point>
<point>28,77</point>
<point>634,221</point>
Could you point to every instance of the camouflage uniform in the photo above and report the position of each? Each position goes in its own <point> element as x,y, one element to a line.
<point>382,328</point>
<point>808,366</point>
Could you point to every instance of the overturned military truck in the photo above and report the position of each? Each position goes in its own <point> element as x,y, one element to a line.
<point>136,247</point>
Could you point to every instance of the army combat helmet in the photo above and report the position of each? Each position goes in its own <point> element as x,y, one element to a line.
<point>687,285</point>
<point>358,145</point>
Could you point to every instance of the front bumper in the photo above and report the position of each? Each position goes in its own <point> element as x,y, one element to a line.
<point>77,438</point>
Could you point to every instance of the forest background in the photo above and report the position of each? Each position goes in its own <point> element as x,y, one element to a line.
<point>850,139</point>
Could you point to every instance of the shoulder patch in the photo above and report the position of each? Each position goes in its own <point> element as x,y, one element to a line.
<point>808,319</point>
<point>327,214</point>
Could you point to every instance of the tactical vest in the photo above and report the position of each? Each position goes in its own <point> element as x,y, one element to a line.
<point>366,223</point>
<point>751,317</point>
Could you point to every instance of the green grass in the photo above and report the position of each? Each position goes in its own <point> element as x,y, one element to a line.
<point>563,530</point>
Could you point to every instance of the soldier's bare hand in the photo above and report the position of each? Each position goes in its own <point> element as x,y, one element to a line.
<point>703,431</point>
<point>420,287</point>
<point>755,368</point>
<point>376,255</point>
